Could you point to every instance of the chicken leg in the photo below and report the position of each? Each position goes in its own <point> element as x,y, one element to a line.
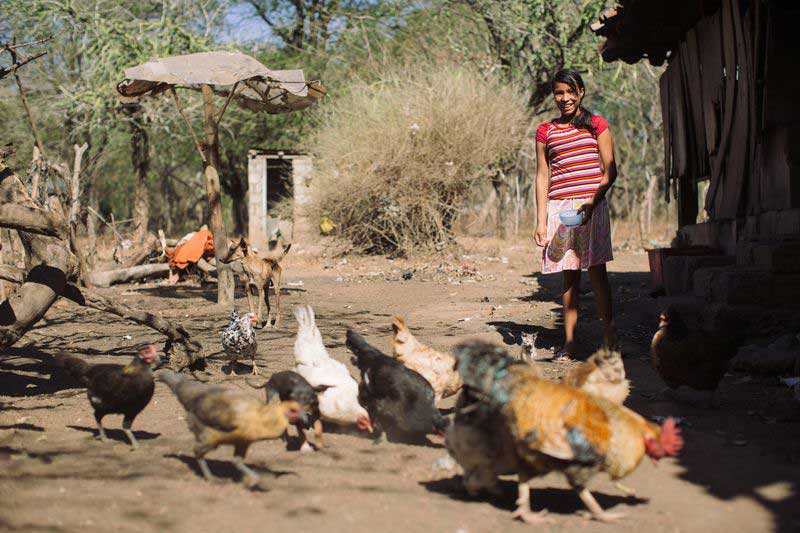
<point>251,479</point>
<point>200,451</point>
<point>101,432</point>
<point>255,368</point>
<point>523,511</point>
<point>318,434</point>
<point>126,427</point>
<point>594,507</point>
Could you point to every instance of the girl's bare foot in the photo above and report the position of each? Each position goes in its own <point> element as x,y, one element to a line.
<point>565,354</point>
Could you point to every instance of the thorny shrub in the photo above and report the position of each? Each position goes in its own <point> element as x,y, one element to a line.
<point>397,158</point>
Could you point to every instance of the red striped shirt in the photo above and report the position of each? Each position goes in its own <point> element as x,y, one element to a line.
<point>574,158</point>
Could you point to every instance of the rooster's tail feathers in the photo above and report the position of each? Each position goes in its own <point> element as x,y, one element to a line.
<point>480,363</point>
<point>75,367</point>
<point>366,355</point>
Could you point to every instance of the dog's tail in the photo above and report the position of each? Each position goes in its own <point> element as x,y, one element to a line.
<point>285,251</point>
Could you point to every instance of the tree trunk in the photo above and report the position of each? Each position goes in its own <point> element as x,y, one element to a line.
<point>225,281</point>
<point>140,158</point>
<point>91,227</point>
<point>48,261</point>
<point>500,184</point>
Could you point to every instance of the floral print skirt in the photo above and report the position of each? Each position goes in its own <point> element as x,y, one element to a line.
<point>578,247</point>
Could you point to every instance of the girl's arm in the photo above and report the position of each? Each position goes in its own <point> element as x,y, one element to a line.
<point>542,188</point>
<point>605,145</point>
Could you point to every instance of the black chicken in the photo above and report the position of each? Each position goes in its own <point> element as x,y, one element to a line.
<point>291,386</point>
<point>115,389</point>
<point>399,400</point>
<point>692,356</point>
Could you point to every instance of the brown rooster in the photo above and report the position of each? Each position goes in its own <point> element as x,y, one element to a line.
<point>693,357</point>
<point>115,389</point>
<point>603,374</point>
<point>436,367</point>
<point>219,415</point>
<point>553,427</point>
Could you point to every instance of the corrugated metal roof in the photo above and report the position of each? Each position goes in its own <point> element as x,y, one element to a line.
<point>637,29</point>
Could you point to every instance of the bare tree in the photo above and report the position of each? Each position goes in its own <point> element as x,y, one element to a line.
<point>52,264</point>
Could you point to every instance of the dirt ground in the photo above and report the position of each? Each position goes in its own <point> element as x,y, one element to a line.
<point>740,470</point>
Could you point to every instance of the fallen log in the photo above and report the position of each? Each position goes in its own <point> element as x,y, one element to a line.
<point>124,275</point>
<point>31,220</point>
<point>139,253</point>
<point>181,349</point>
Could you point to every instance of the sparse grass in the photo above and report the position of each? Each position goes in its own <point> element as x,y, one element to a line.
<point>397,158</point>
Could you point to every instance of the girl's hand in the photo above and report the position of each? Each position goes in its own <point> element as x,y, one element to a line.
<point>587,210</point>
<point>541,235</point>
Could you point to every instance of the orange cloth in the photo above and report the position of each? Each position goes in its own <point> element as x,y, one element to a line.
<point>200,245</point>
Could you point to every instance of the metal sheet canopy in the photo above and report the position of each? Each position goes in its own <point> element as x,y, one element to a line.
<point>255,86</point>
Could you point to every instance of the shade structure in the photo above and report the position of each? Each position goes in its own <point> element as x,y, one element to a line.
<point>258,88</point>
<point>237,77</point>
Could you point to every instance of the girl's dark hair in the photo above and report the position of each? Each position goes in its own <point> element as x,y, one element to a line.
<point>583,118</point>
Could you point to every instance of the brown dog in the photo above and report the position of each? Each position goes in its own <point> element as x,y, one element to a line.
<point>260,268</point>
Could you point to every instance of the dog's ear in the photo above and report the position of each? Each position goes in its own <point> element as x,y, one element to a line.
<point>243,244</point>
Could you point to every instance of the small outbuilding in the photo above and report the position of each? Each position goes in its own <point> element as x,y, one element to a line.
<point>273,175</point>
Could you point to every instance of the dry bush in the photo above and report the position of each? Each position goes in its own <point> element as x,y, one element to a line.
<point>397,158</point>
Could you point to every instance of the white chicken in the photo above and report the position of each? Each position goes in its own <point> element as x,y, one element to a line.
<point>338,404</point>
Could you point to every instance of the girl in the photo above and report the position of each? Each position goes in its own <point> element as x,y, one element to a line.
<point>575,169</point>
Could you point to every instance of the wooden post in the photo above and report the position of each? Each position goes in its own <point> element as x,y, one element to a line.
<point>225,281</point>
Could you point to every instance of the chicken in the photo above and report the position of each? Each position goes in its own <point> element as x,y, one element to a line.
<point>400,402</point>
<point>239,339</point>
<point>477,442</point>
<point>554,427</point>
<point>338,404</point>
<point>693,357</point>
<point>474,440</point>
<point>219,415</point>
<point>437,367</point>
<point>291,386</point>
<point>115,389</point>
<point>603,374</point>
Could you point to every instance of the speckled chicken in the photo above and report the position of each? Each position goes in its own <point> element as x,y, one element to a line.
<point>239,339</point>
<point>437,367</point>
<point>554,427</point>
<point>603,374</point>
<point>220,415</point>
<point>115,389</point>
